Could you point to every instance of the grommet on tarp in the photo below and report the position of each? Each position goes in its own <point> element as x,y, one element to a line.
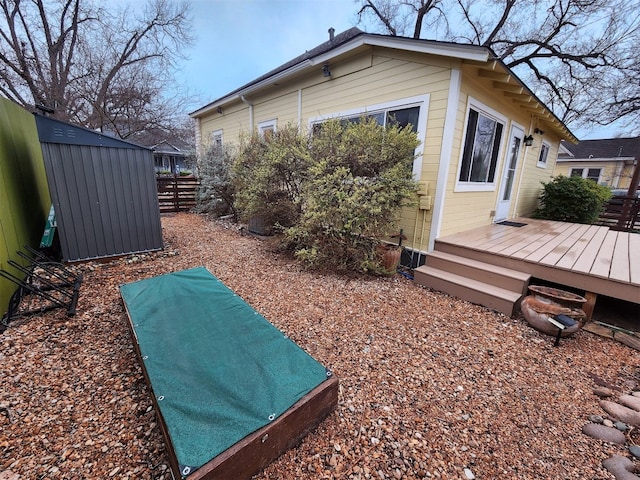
<point>160,398</point>
<point>145,357</point>
<point>272,417</point>
<point>186,470</point>
<point>329,373</point>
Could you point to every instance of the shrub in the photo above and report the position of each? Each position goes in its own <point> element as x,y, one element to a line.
<point>361,175</point>
<point>216,194</point>
<point>572,199</point>
<point>269,173</point>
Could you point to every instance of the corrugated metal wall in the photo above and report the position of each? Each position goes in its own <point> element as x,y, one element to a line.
<point>105,200</point>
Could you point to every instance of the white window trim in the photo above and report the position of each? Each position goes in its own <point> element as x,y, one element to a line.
<point>421,101</point>
<point>585,172</point>
<point>266,125</point>
<point>217,133</point>
<point>544,164</point>
<point>495,115</point>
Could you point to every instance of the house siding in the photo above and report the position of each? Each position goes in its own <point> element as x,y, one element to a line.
<point>376,76</point>
<point>533,176</point>
<point>614,174</point>
<point>464,210</point>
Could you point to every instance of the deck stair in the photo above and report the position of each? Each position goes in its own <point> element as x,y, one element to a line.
<point>492,286</point>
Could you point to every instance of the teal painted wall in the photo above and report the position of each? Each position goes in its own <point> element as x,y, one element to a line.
<point>24,194</point>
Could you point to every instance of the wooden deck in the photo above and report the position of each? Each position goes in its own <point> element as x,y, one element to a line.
<point>588,257</point>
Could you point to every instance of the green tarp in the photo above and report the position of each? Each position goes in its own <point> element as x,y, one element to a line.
<point>218,369</point>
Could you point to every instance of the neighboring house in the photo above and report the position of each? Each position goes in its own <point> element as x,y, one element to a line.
<point>609,161</point>
<point>487,141</point>
<point>169,158</point>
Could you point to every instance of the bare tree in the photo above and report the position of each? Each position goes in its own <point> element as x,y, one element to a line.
<point>105,70</point>
<point>578,55</point>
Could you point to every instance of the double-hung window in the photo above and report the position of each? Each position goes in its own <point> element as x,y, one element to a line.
<point>267,128</point>
<point>481,150</point>
<point>216,138</point>
<point>590,173</point>
<point>544,153</point>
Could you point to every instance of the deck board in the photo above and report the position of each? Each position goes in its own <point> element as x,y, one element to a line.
<point>570,258</point>
<point>542,252</point>
<point>620,260</point>
<point>602,264</point>
<point>547,236</point>
<point>590,252</point>
<point>564,246</point>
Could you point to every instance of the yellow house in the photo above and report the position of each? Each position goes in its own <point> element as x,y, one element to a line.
<point>487,141</point>
<point>609,161</point>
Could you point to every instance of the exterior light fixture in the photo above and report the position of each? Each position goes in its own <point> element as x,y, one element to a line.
<point>325,71</point>
<point>528,140</point>
<point>220,110</point>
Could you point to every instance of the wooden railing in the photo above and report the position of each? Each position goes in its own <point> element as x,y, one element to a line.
<point>622,213</point>
<point>176,194</point>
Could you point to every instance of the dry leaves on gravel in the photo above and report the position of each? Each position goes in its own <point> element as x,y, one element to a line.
<point>430,386</point>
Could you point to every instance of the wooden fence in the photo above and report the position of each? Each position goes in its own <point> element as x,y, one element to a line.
<point>177,194</point>
<point>622,213</point>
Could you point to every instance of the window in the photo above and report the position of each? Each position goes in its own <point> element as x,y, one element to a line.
<point>216,138</point>
<point>481,148</point>
<point>266,129</point>
<point>402,112</point>
<point>590,173</point>
<point>594,174</point>
<point>544,153</point>
<point>401,117</point>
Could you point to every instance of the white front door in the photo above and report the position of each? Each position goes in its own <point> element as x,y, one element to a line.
<point>509,174</point>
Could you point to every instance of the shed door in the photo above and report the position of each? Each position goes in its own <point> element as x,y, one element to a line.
<point>509,175</point>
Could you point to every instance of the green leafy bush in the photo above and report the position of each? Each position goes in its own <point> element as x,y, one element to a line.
<point>572,199</point>
<point>216,194</point>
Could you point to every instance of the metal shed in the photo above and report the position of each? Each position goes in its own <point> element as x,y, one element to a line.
<point>103,191</point>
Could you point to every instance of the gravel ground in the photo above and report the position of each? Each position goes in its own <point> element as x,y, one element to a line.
<point>430,386</point>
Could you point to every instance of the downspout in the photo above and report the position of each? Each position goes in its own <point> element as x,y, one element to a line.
<point>522,168</point>
<point>445,155</point>
<point>618,173</point>
<point>198,137</point>
<point>247,102</point>
<point>299,109</point>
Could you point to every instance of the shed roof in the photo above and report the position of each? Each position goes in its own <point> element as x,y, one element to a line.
<point>489,67</point>
<point>51,130</point>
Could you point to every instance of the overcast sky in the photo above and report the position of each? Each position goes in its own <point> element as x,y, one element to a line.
<point>240,40</point>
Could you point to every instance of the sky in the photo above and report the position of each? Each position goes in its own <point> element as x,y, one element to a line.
<point>240,40</point>
<point>236,41</point>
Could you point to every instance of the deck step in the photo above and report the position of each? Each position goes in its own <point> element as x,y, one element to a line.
<point>476,270</point>
<point>474,291</point>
